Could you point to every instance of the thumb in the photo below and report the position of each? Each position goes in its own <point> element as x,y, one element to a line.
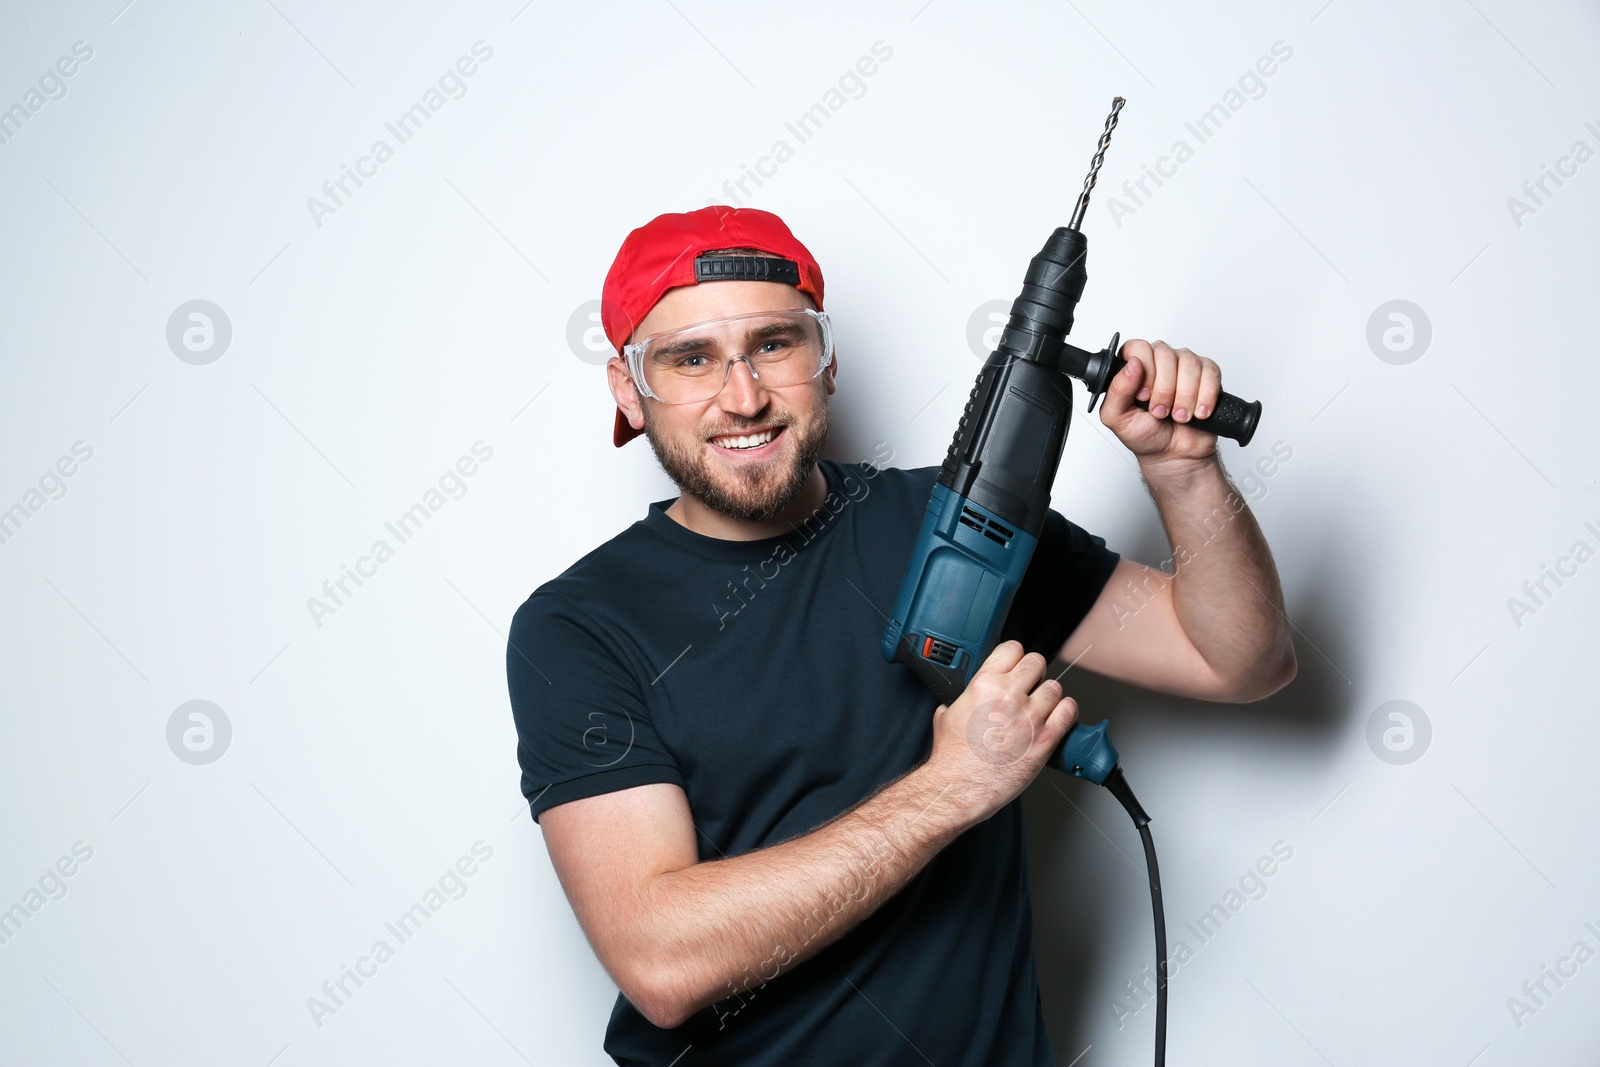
<point>1120,394</point>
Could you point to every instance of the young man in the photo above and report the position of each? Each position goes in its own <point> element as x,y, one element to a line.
<point>780,848</point>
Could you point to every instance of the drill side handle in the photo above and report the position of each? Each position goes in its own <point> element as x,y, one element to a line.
<point>1234,417</point>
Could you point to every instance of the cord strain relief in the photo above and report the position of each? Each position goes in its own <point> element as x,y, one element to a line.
<point>1118,784</point>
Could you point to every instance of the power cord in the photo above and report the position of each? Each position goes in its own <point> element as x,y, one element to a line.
<point>1124,793</point>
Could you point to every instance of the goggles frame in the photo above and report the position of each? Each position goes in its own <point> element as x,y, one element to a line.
<point>633,353</point>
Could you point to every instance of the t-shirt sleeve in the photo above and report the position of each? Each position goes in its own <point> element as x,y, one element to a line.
<point>1069,568</point>
<point>582,725</point>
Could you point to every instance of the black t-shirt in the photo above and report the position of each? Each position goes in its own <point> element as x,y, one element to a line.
<point>750,674</point>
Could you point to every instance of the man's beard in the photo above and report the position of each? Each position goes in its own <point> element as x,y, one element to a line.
<point>756,495</point>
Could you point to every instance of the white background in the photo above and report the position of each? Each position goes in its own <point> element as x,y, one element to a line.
<point>373,346</point>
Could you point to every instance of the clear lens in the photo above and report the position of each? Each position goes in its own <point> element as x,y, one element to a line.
<point>690,365</point>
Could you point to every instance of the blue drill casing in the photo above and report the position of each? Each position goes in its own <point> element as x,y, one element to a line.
<point>1086,752</point>
<point>992,496</point>
<point>964,570</point>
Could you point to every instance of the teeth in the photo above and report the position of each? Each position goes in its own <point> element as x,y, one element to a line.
<point>749,441</point>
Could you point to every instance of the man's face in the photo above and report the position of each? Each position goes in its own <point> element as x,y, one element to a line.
<point>749,485</point>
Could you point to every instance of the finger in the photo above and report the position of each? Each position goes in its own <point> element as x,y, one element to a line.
<point>1060,720</point>
<point>1120,392</point>
<point>1005,656</point>
<point>1166,380</point>
<point>1028,670</point>
<point>1210,388</point>
<point>1184,396</point>
<point>1044,698</point>
<point>1143,352</point>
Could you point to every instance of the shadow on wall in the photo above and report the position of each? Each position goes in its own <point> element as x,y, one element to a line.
<point>1069,903</point>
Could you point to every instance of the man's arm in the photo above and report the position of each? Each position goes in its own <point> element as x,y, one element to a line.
<point>1216,628</point>
<point>677,935</point>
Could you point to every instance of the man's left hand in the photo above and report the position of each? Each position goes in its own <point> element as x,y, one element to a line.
<point>1178,386</point>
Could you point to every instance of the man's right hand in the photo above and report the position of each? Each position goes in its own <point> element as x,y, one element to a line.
<point>990,743</point>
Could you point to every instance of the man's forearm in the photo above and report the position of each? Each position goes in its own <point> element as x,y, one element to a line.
<point>721,929</point>
<point>1226,591</point>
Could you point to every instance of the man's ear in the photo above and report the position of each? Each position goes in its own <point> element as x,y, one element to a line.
<point>627,396</point>
<point>832,372</point>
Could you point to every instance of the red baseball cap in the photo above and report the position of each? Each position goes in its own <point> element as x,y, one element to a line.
<point>668,251</point>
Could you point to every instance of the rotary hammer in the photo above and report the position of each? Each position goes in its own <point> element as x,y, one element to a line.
<point>993,491</point>
<point>992,494</point>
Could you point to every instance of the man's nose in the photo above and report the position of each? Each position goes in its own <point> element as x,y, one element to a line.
<point>743,394</point>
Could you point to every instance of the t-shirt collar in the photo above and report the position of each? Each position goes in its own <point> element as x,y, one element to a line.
<point>723,550</point>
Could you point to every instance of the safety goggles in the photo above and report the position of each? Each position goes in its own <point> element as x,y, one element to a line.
<point>691,365</point>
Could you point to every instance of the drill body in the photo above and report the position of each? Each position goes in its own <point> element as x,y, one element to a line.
<point>993,491</point>
<point>989,502</point>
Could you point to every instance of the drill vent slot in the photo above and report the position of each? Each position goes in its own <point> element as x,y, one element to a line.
<point>939,651</point>
<point>1000,535</point>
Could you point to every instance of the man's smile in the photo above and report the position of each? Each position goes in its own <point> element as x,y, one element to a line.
<point>753,445</point>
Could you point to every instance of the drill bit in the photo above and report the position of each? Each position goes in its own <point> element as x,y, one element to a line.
<point>1094,164</point>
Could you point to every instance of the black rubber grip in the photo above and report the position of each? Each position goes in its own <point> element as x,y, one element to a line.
<point>1233,418</point>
